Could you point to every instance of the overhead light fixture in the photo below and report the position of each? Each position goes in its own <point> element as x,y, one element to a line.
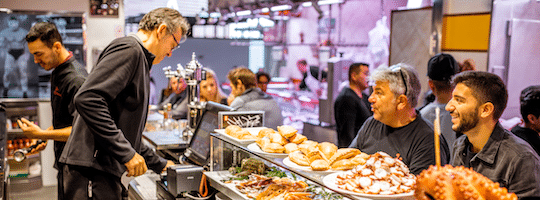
<point>280,8</point>
<point>243,13</point>
<point>322,2</point>
<point>265,10</point>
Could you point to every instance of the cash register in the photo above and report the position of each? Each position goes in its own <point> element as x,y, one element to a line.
<point>186,177</point>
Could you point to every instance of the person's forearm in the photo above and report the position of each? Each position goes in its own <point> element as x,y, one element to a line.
<point>55,134</point>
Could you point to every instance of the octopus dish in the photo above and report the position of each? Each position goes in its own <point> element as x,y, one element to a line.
<point>457,183</point>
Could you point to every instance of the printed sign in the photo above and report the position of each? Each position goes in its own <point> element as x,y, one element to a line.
<point>243,119</point>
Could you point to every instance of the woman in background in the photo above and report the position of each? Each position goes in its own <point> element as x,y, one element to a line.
<point>210,90</point>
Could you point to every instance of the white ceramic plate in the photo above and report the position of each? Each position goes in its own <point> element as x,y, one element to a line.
<point>254,131</point>
<point>293,165</point>
<point>255,148</point>
<point>330,181</point>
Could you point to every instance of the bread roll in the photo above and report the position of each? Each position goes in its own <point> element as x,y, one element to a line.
<point>319,165</point>
<point>344,153</point>
<point>286,131</point>
<point>299,158</point>
<point>231,129</point>
<point>328,149</point>
<point>297,138</point>
<point>290,147</point>
<point>265,132</point>
<point>273,148</point>
<point>277,138</point>
<point>343,164</point>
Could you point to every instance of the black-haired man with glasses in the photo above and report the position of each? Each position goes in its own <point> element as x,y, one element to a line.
<point>112,107</point>
<point>396,127</point>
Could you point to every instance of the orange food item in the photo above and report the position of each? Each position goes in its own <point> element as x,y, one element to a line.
<point>457,183</point>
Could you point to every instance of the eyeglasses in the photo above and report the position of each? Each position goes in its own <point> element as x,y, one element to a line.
<point>398,68</point>
<point>178,42</point>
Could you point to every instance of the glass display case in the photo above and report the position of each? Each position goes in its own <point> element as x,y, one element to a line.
<point>227,152</point>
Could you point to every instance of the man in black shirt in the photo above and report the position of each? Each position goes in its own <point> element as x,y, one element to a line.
<point>45,43</point>
<point>530,111</point>
<point>112,107</point>
<point>478,101</point>
<point>352,107</point>
<point>396,127</point>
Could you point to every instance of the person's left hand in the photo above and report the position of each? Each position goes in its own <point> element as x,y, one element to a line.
<point>39,147</point>
<point>169,163</point>
<point>29,128</point>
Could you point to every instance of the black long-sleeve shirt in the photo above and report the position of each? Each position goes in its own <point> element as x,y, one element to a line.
<point>113,107</point>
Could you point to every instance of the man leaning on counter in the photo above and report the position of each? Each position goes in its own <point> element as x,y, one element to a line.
<point>396,127</point>
<point>112,109</point>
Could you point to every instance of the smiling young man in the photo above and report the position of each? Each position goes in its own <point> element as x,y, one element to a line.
<point>112,107</point>
<point>45,43</point>
<point>396,127</point>
<point>478,101</point>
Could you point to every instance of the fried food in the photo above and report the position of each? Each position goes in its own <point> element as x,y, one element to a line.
<point>306,145</point>
<point>287,131</point>
<point>277,138</point>
<point>263,141</point>
<point>232,129</point>
<point>273,148</point>
<point>319,165</point>
<point>299,158</point>
<point>265,132</point>
<point>290,147</point>
<point>315,154</point>
<point>328,149</point>
<point>344,153</point>
<point>343,164</point>
<point>360,159</point>
<point>297,138</point>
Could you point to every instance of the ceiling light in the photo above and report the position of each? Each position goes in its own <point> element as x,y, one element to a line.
<point>280,8</point>
<point>244,12</point>
<point>322,2</point>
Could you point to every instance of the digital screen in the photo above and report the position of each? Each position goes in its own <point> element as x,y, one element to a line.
<point>200,143</point>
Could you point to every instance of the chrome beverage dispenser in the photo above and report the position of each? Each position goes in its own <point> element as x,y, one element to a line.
<point>193,74</point>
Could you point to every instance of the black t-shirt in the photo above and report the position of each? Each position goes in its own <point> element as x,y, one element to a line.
<point>350,112</point>
<point>414,142</point>
<point>66,79</point>
<point>529,135</point>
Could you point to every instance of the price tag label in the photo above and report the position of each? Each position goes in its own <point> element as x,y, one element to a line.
<point>244,119</point>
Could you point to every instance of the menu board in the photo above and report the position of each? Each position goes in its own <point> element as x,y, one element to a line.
<point>243,119</point>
